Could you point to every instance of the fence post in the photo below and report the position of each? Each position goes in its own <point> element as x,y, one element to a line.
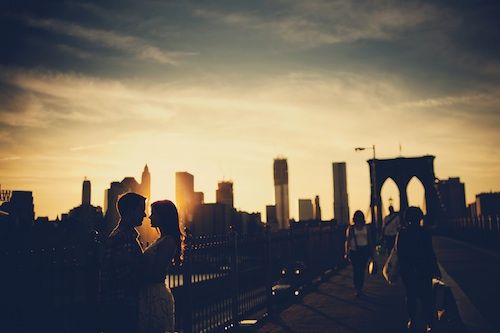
<point>235,306</point>
<point>498,227</point>
<point>269,273</point>
<point>186,283</point>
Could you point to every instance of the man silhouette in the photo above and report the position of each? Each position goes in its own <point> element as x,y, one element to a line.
<point>390,229</point>
<point>121,266</point>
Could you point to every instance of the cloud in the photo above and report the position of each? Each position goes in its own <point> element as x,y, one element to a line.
<point>10,158</point>
<point>490,98</point>
<point>92,147</point>
<point>74,51</point>
<point>314,23</point>
<point>133,45</point>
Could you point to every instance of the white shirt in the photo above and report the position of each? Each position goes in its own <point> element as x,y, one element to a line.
<point>359,236</point>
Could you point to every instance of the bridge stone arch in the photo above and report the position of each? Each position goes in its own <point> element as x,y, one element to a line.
<point>402,170</point>
<point>385,183</point>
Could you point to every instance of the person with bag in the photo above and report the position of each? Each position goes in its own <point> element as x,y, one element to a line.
<point>417,266</point>
<point>390,271</point>
<point>359,249</point>
<point>390,228</point>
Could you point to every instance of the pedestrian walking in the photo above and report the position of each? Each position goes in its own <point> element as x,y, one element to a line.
<point>417,266</point>
<point>359,249</point>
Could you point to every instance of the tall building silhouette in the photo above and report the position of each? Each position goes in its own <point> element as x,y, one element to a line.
<point>184,196</point>
<point>110,199</point>
<point>86,192</point>
<point>20,208</point>
<point>317,209</point>
<point>488,204</point>
<point>198,198</point>
<point>211,219</point>
<point>271,214</point>
<point>281,193</point>
<point>224,193</point>
<point>340,198</point>
<point>452,195</point>
<point>305,210</point>
<point>84,219</point>
<point>146,187</point>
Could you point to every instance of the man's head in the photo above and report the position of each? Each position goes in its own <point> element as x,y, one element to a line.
<point>131,207</point>
<point>391,209</point>
<point>413,215</point>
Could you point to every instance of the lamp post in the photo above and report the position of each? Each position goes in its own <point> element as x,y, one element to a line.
<point>374,197</point>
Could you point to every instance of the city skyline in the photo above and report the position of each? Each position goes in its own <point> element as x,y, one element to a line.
<point>389,195</point>
<point>99,89</point>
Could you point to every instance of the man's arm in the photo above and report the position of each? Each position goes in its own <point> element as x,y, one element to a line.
<point>431,255</point>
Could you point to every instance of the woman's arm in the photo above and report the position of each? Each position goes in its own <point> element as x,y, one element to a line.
<point>347,244</point>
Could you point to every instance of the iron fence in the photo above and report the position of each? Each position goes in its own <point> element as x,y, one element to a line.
<point>222,279</point>
<point>484,230</point>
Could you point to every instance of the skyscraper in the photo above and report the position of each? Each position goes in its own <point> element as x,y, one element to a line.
<point>452,195</point>
<point>305,210</point>
<point>340,198</point>
<point>110,199</point>
<point>281,193</point>
<point>317,209</point>
<point>271,214</point>
<point>198,199</point>
<point>224,193</point>
<point>146,187</point>
<point>21,208</point>
<point>184,196</point>
<point>86,192</point>
<point>488,204</point>
<point>211,219</point>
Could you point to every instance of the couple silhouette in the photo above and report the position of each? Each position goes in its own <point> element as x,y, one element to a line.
<point>135,298</point>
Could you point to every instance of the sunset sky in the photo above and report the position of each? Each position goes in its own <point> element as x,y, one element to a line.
<point>221,88</point>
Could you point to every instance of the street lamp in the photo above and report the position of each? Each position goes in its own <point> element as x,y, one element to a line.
<point>374,183</point>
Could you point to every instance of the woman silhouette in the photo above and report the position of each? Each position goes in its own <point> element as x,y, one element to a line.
<point>358,249</point>
<point>156,302</point>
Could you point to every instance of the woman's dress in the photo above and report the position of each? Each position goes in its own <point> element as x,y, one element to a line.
<point>156,302</point>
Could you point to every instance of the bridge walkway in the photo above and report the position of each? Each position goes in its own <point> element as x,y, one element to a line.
<point>333,307</point>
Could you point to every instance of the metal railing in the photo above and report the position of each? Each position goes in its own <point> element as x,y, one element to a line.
<point>484,230</point>
<point>222,280</point>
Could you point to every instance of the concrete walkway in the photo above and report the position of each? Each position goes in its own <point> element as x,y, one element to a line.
<point>333,307</point>
<point>473,274</point>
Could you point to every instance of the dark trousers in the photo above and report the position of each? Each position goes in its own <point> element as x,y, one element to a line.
<point>359,259</point>
<point>389,243</point>
<point>419,287</point>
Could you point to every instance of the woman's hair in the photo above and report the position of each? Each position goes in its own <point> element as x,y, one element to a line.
<point>413,215</point>
<point>169,222</point>
<point>359,216</point>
